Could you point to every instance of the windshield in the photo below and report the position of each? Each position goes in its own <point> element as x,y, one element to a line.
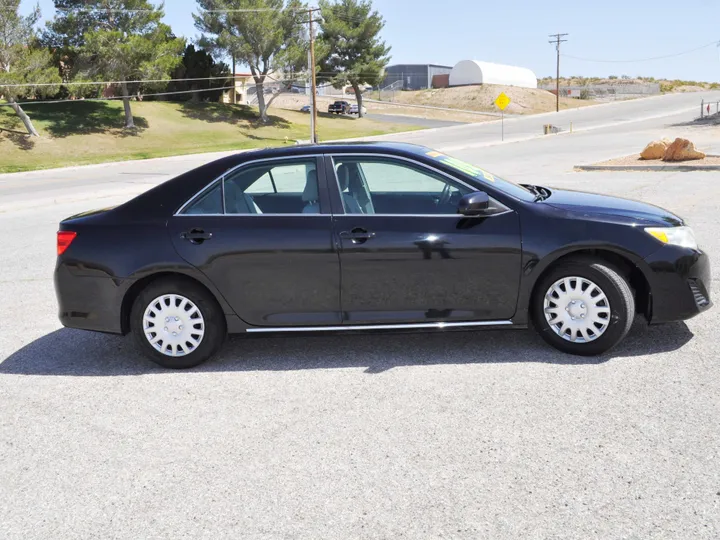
<point>482,175</point>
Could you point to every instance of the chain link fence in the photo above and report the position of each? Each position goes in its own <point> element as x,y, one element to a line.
<point>604,92</point>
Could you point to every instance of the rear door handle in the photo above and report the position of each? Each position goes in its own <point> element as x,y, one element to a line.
<point>358,235</point>
<point>196,236</point>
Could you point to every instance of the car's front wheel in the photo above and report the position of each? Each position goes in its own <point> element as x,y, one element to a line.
<point>583,307</point>
<point>177,323</point>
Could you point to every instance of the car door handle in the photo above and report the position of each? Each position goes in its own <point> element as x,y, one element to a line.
<point>358,235</point>
<point>196,236</point>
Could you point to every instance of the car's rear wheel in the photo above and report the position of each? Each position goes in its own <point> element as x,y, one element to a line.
<point>177,324</point>
<point>583,307</point>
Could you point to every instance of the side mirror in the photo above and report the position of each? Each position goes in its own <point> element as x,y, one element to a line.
<point>474,204</point>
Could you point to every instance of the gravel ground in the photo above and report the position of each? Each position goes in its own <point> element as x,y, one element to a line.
<point>634,160</point>
<point>448,435</point>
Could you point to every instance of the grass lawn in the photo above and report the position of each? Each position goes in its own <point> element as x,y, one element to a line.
<point>85,132</point>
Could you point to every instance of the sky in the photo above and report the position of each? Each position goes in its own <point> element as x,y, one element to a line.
<point>516,32</point>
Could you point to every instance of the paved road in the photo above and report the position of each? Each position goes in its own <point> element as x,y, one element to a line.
<point>619,115</point>
<point>639,119</point>
<point>457,435</point>
<point>414,121</point>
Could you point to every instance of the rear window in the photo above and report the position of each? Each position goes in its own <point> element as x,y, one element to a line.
<point>208,203</point>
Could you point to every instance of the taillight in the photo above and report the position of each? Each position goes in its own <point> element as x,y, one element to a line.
<point>64,239</point>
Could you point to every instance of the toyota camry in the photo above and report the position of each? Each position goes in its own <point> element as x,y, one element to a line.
<point>365,237</point>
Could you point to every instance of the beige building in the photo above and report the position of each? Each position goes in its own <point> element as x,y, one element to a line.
<point>242,82</point>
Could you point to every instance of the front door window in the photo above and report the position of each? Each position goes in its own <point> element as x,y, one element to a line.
<point>385,186</point>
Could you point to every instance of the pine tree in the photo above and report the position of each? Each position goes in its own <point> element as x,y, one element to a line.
<point>350,34</point>
<point>23,65</point>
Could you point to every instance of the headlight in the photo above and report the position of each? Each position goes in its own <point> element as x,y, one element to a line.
<point>676,236</point>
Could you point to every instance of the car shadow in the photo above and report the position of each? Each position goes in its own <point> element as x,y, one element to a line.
<point>77,353</point>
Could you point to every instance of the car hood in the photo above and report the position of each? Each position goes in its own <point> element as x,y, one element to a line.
<point>592,203</point>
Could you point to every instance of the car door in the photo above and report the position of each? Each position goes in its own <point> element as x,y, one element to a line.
<point>263,236</point>
<point>407,256</point>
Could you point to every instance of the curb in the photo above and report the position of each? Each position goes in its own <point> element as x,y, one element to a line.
<point>641,168</point>
<point>449,109</point>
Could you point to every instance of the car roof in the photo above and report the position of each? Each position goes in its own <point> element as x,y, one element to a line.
<point>374,147</point>
<point>165,198</point>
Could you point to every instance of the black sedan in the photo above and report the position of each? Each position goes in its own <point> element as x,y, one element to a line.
<point>370,236</point>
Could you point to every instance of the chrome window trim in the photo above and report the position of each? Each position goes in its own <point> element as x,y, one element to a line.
<point>455,216</point>
<point>423,166</point>
<point>435,325</point>
<point>253,215</point>
<point>232,170</point>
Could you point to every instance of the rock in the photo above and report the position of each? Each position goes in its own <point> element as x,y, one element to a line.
<point>682,150</point>
<point>655,150</point>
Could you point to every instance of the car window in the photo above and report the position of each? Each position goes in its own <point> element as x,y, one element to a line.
<point>388,186</point>
<point>274,187</point>
<point>482,175</point>
<point>264,184</point>
<point>209,202</point>
<point>277,187</point>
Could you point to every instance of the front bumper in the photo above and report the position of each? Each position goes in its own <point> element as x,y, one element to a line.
<point>90,302</point>
<point>679,280</point>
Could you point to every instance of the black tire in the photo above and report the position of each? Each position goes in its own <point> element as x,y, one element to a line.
<point>616,289</point>
<point>215,325</point>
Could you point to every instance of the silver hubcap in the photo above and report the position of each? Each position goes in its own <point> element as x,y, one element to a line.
<point>577,309</point>
<point>173,325</point>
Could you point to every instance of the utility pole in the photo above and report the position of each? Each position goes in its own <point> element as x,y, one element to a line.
<point>234,82</point>
<point>313,84</point>
<point>557,41</point>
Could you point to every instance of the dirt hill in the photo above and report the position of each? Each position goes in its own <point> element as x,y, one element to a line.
<point>481,98</point>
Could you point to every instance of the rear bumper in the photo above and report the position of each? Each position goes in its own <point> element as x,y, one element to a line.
<point>680,281</point>
<point>90,302</point>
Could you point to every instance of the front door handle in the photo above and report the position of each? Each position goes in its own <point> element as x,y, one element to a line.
<point>196,236</point>
<point>358,235</point>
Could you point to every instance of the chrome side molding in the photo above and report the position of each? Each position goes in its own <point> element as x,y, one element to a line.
<point>409,326</point>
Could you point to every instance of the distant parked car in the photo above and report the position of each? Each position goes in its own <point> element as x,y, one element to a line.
<point>354,109</point>
<point>306,109</point>
<point>339,107</point>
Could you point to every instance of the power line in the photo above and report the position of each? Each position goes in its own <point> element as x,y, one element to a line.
<point>97,83</point>
<point>113,98</point>
<point>298,77</point>
<point>111,10</point>
<point>643,59</point>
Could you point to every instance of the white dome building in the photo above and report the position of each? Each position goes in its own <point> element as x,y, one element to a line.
<point>474,72</point>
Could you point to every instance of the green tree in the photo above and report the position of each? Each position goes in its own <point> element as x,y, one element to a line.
<point>199,64</point>
<point>356,54</point>
<point>23,66</point>
<point>119,40</point>
<point>269,38</point>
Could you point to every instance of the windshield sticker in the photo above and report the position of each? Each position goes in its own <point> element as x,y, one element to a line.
<point>461,166</point>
